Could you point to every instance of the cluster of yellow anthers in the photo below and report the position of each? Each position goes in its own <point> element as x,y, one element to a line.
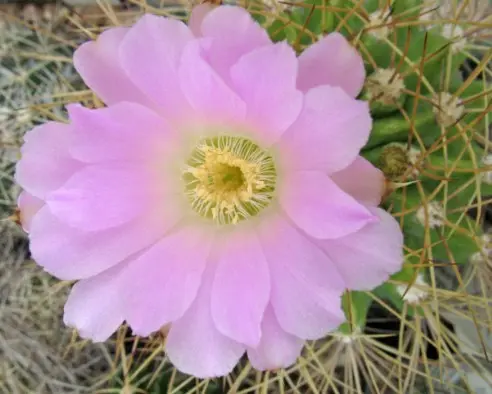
<point>229,179</point>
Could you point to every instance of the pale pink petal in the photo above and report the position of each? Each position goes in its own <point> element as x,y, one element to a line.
<point>319,207</point>
<point>241,289</point>
<point>277,348</point>
<point>234,33</point>
<point>332,61</point>
<point>123,131</point>
<point>150,53</point>
<point>28,206</point>
<point>163,281</point>
<point>198,13</point>
<point>362,181</point>
<point>94,305</point>
<point>100,197</point>
<point>306,285</point>
<point>368,257</point>
<point>265,78</point>
<point>99,65</point>
<point>195,346</point>
<point>328,134</point>
<point>207,93</point>
<point>69,253</point>
<point>298,311</point>
<point>46,164</point>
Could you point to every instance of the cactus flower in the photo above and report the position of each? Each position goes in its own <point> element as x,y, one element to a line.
<point>220,192</point>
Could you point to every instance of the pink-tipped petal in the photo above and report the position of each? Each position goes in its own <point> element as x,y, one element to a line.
<point>150,53</point>
<point>332,61</point>
<point>319,207</point>
<point>70,253</point>
<point>277,348</point>
<point>306,285</point>
<point>46,163</point>
<point>195,346</point>
<point>99,65</point>
<point>233,33</point>
<point>163,281</point>
<point>368,257</point>
<point>266,78</point>
<point>101,197</point>
<point>241,289</point>
<point>28,206</point>
<point>123,131</point>
<point>207,93</point>
<point>328,134</point>
<point>198,13</point>
<point>94,305</point>
<point>362,181</point>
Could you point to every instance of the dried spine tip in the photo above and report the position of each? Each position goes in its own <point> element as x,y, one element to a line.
<point>431,214</point>
<point>448,109</point>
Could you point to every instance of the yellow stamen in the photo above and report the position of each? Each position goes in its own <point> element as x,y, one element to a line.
<point>229,179</point>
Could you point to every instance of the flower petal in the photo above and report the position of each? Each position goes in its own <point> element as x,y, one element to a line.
<point>332,61</point>
<point>93,306</point>
<point>234,33</point>
<point>241,289</point>
<point>319,207</point>
<point>157,43</point>
<point>277,348</point>
<point>70,253</point>
<point>28,206</point>
<point>100,197</point>
<point>99,65</point>
<point>195,346</point>
<point>164,280</point>
<point>306,286</point>
<point>328,134</point>
<point>207,93</point>
<point>362,181</point>
<point>133,132</point>
<point>46,164</point>
<point>197,15</point>
<point>265,78</point>
<point>368,257</point>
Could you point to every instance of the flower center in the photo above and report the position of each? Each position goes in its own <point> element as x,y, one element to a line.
<point>229,179</point>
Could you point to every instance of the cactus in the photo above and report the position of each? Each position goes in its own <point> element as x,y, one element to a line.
<point>429,90</point>
<point>37,353</point>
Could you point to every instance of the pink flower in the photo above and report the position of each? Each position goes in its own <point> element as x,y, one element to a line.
<point>220,192</point>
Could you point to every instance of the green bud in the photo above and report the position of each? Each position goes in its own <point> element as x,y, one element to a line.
<point>396,160</point>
